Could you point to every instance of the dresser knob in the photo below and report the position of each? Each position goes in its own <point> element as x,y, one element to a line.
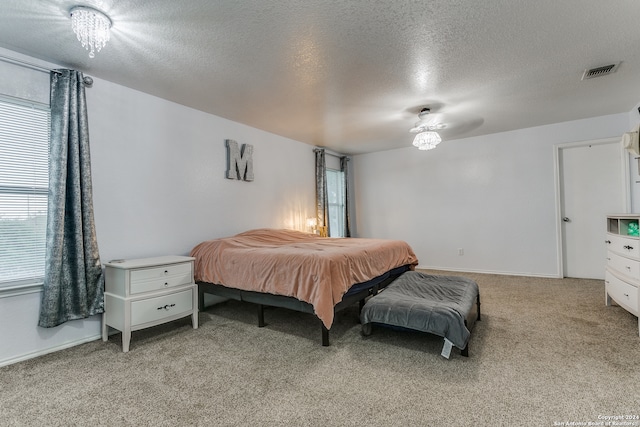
<point>166,283</point>
<point>166,307</point>
<point>627,247</point>
<point>166,272</point>
<point>608,242</point>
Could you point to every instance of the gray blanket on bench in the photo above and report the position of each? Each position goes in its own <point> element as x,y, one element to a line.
<point>434,304</point>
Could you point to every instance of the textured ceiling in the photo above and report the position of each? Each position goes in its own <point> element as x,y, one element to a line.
<point>352,75</point>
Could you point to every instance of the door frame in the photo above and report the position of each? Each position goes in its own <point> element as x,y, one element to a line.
<point>626,185</point>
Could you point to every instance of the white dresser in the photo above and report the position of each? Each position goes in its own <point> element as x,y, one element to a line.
<point>140,293</point>
<point>622,277</point>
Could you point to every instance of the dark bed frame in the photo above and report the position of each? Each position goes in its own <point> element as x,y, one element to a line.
<point>357,293</point>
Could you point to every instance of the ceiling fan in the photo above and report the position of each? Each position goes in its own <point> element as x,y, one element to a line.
<point>427,122</point>
<point>444,120</point>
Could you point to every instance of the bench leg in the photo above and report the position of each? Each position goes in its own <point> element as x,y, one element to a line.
<point>478,302</point>
<point>366,329</point>
<point>465,351</point>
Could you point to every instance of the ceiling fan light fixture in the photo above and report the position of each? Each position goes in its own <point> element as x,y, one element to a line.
<point>92,28</point>
<point>427,140</point>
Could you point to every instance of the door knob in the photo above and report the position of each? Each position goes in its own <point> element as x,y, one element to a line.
<point>566,219</point>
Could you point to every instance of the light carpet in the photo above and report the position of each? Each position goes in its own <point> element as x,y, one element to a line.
<point>547,352</point>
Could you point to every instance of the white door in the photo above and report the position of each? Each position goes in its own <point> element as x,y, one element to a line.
<point>592,185</point>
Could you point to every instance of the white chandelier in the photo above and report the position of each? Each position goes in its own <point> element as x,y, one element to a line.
<point>92,28</point>
<point>427,140</point>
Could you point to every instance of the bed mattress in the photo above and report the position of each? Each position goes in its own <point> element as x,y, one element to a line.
<point>317,270</point>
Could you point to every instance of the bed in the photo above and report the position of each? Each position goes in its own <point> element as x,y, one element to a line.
<point>298,271</point>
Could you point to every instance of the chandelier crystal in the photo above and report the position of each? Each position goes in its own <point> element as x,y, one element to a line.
<point>91,27</point>
<point>427,140</point>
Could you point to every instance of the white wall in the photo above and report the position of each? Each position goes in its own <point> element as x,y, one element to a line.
<point>159,176</point>
<point>493,196</point>
<point>159,188</point>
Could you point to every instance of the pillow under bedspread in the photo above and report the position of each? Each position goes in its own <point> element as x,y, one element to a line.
<point>428,303</point>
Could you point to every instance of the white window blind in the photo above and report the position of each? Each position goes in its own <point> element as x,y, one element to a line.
<point>24,158</point>
<point>335,196</point>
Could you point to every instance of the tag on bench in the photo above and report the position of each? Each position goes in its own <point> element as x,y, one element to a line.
<point>446,348</point>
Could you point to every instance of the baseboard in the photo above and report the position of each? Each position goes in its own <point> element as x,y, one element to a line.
<point>39,353</point>
<point>500,273</point>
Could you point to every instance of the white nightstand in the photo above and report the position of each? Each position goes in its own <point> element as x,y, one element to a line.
<point>140,293</point>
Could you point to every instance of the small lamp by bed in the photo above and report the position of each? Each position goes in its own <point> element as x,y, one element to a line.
<point>312,224</point>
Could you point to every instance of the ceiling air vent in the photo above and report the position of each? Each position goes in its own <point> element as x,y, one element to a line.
<point>600,71</point>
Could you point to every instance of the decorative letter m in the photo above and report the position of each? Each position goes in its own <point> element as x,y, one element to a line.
<point>240,162</point>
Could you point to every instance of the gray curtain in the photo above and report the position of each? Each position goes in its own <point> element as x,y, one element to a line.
<point>344,167</point>
<point>322,198</point>
<point>73,283</point>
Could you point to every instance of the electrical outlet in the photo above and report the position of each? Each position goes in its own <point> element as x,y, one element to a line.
<point>460,251</point>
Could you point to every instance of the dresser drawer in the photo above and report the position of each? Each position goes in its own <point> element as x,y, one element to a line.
<point>623,245</point>
<point>154,309</point>
<point>628,267</point>
<point>155,278</point>
<point>623,293</point>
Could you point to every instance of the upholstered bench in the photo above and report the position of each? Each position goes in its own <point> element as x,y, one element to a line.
<point>447,306</point>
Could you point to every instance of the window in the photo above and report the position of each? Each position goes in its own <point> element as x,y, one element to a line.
<point>24,156</point>
<point>335,194</point>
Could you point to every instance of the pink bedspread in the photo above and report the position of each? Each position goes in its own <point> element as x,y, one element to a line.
<point>314,269</point>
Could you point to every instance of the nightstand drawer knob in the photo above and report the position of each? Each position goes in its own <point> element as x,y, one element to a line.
<point>167,306</point>
<point>166,284</point>
<point>608,242</point>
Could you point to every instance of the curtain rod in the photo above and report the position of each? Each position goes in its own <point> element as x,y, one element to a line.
<point>88,81</point>
<point>27,64</point>
<point>334,154</point>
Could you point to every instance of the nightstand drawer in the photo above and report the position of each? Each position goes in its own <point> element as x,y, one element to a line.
<point>623,293</point>
<point>154,309</point>
<point>152,279</point>
<point>626,266</point>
